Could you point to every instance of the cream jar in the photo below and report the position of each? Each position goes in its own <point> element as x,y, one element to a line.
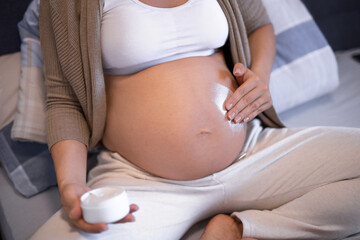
<point>105,205</point>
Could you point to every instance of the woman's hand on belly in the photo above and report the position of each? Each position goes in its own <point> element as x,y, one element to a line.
<point>251,98</point>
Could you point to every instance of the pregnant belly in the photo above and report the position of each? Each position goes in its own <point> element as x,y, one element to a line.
<point>170,121</point>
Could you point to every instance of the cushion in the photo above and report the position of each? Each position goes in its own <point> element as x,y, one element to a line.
<point>28,164</point>
<point>29,124</point>
<point>9,85</point>
<point>305,66</point>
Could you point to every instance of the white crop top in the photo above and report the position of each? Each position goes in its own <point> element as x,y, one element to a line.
<point>135,36</point>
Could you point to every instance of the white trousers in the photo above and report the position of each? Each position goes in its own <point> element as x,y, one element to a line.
<point>291,184</point>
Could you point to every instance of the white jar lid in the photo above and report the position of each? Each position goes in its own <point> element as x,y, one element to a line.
<point>104,205</point>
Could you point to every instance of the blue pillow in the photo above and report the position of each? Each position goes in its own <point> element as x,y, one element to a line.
<point>28,164</point>
<point>305,66</point>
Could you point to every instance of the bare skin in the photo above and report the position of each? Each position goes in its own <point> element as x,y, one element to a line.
<point>223,227</point>
<point>164,3</point>
<point>177,104</point>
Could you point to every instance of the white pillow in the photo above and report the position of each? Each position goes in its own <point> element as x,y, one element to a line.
<point>29,123</point>
<point>305,66</point>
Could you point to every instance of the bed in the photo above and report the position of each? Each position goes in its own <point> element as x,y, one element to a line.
<point>334,102</point>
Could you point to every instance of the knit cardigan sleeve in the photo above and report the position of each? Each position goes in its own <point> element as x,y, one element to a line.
<point>65,117</point>
<point>254,14</point>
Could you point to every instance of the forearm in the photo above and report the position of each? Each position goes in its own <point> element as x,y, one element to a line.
<point>263,48</point>
<point>69,158</point>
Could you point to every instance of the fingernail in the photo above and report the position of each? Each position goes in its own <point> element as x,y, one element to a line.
<point>238,119</point>
<point>232,115</point>
<point>246,119</point>
<point>229,106</point>
<point>238,72</point>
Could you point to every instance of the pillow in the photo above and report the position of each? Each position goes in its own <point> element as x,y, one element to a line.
<point>9,85</point>
<point>29,123</point>
<point>28,165</point>
<point>305,66</point>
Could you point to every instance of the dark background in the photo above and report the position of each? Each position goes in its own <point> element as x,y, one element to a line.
<point>339,20</point>
<point>11,12</point>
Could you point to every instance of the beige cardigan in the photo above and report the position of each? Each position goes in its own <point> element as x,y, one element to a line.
<point>70,42</point>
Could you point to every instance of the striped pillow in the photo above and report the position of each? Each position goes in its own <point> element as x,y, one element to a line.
<point>29,123</point>
<point>305,66</point>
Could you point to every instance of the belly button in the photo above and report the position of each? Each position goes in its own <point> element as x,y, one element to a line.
<point>204,132</point>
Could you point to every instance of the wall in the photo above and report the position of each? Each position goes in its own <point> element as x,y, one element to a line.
<point>339,20</point>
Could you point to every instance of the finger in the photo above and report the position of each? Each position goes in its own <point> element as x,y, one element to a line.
<point>254,112</point>
<point>71,201</point>
<point>242,103</point>
<point>76,218</point>
<point>261,109</point>
<point>239,69</point>
<point>239,72</point>
<point>239,93</point>
<point>133,208</point>
<point>75,212</point>
<point>130,217</point>
<point>91,228</point>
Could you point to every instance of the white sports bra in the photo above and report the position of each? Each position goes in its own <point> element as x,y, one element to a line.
<point>135,36</point>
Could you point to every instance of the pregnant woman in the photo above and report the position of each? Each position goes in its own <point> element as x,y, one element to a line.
<point>171,89</point>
